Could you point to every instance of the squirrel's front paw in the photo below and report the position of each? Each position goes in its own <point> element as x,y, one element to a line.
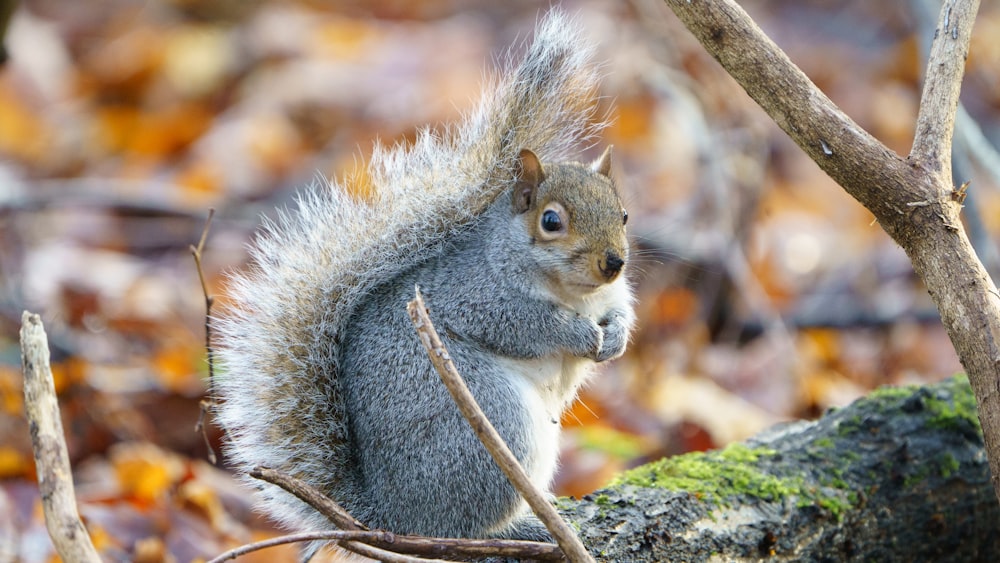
<point>614,329</point>
<point>586,339</point>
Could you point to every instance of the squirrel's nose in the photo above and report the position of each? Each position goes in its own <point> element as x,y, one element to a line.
<point>611,265</point>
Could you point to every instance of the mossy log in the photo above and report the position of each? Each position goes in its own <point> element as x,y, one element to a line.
<point>900,475</point>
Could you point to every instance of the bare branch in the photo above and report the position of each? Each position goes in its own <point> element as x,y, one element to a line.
<point>939,100</point>
<point>410,545</point>
<point>384,555</point>
<point>913,199</point>
<point>331,535</point>
<point>207,403</point>
<point>309,495</point>
<point>55,479</point>
<point>487,434</point>
<point>841,147</point>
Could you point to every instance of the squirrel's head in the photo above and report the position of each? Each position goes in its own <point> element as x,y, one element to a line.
<point>575,219</point>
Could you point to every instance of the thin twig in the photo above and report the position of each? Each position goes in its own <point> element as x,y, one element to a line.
<point>409,545</point>
<point>311,496</point>
<point>384,555</point>
<point>487,434</point>
<point>290,538</point>
<point>208,402</point>
<point>316,499</point>
<point>329,535</point>
<point>55,478</point>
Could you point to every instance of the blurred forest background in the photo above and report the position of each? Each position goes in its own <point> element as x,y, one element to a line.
<point>765,292</point>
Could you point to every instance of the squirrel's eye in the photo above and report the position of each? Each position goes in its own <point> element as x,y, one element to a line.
<point>624,217</point>
<point>551,221</point>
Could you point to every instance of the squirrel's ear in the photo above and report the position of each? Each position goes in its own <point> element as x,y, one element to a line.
<point>529,176</point>
<point>603,164</point>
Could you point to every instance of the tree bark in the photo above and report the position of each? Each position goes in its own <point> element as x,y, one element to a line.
<point>912,198</point>
<point>897,476</point>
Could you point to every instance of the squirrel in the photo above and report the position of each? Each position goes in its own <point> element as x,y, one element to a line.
<point>521,261</point>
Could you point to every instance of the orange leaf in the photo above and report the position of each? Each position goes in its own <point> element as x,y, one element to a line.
<point>145,472</point>
<point>14,463</point>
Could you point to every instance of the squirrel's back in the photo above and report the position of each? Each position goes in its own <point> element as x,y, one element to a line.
<point>280,343</point>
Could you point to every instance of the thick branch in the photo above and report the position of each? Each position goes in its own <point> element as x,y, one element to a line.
<point>912,199</point>
<point>55,480</point>
<point>939,101</point>
<point>839,146</point>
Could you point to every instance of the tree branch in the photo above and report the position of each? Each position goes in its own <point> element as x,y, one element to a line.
<point>309,495</point>
<point>939,100</point>
<point>841,147</point>
<point>328,535</point>
<point>206,404</point>
<point>487,434</point>
<point>407,545</point>
<point>55,479</point>
<point>913,199</point>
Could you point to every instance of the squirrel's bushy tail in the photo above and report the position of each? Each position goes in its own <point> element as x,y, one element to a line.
<point>278,343</point>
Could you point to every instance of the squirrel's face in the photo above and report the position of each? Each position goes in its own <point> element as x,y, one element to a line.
<point>576,223</point>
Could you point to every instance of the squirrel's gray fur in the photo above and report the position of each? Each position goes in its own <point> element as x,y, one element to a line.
<point>323,376</point>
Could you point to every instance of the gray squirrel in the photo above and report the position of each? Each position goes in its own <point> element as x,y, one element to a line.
<point>521,262</point>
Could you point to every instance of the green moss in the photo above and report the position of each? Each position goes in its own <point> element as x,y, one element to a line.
<point>849,426</point>
<point>717,476</point>
<point>835,505</point>
<point>890,392</point>
<point>602,500</point>
<point>714,476</point>
<point>949,465</point>
<point>959,412</point>
<point>824,443</point>
<point>916,477</point>
<point>850,456</point>
<point>565,503</point>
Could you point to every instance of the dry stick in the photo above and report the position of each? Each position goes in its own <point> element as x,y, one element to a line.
<point>487,434</point>
<point>411,545</point>
<point>209,401</point>
<point>322,503</point>
<point>55,479</point>
<point>291,538</point>
<point>311,496</point>
<point>912,198</point>
<point>384,555</point>
<point>332,535</point>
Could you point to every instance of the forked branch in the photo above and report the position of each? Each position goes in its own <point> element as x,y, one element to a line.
<point>913,199</point>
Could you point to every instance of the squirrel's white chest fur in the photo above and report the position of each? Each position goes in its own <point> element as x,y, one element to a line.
<point>548,385</point>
